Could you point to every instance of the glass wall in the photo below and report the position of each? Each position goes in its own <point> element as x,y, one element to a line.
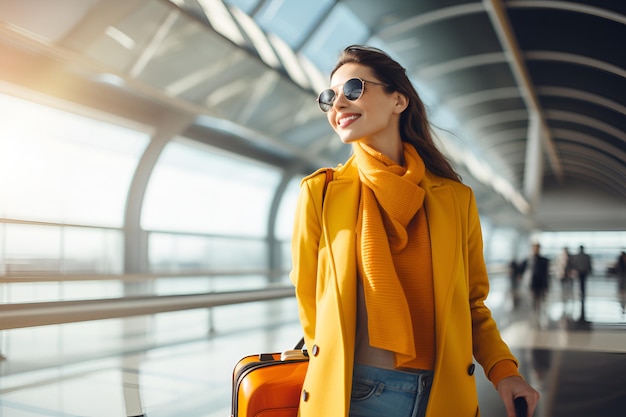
<point>60,167</point>
<point>285,219</point>
<point>208,210</point>
<point>64,180</point>
<point>603,246</point>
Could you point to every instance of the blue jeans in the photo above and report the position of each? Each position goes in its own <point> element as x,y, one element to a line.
<point>380,392</point>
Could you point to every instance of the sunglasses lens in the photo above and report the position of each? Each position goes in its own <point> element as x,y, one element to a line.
<point>326,99</point>
<point>353,89</point>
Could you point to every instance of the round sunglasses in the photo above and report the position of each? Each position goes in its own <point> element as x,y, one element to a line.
<point>352,90</point>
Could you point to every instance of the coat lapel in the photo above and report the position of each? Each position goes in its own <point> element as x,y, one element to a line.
<point>339,218</point>
<point>443,221</point>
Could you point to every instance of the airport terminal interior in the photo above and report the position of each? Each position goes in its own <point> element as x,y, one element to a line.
<point>151,154</point>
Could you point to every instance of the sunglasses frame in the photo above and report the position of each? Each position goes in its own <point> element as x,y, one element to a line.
<point>343,86</point>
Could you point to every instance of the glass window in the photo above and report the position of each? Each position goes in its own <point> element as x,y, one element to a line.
<point>33,292</point>
<point>92,250</point>
<point>502,245</point>
<point>340,29</point>
<point>284,223</point>
<point>246,6</point>
<point>172,252</point>
<point>60,167</point>
<point>31,248</point>
<point>238,254</point>
<point>36,248</point>
<point>198,189</point>
<point>176,252</point>
<point>291,20</point>
<point>286,211</point>
<point>602,246</point>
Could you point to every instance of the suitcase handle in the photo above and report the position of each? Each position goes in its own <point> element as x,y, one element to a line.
<point>521,408</point>
<point>300,344</point>
<point>294,354</point>
<point>297,353</point>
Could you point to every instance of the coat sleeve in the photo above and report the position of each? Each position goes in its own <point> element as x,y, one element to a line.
<point>304,251</point>
<point>488,346</point>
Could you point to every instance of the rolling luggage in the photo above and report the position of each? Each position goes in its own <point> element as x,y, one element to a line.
<point>269,384</point>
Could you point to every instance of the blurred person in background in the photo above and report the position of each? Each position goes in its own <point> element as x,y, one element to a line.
<point>581,262</point>
<point>538,267</point>
<point>620,270</point>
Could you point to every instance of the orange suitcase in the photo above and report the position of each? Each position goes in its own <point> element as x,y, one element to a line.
<point>269,384</point>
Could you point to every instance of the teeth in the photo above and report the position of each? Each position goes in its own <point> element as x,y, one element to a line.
<point>347,119</point>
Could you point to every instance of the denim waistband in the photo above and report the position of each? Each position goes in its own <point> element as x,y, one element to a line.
<point>394,379</point>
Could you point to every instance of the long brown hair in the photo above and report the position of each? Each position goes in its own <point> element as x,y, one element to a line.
<point>414,125</point>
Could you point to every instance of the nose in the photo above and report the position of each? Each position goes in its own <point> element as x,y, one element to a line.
<point>340,99</point>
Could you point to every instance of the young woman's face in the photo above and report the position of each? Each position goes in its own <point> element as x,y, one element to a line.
<point>373,118</point>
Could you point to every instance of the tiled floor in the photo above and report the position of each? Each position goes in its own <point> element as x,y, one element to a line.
<point>170,366</point>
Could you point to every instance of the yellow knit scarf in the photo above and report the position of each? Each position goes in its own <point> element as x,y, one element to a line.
<point>390,199</point>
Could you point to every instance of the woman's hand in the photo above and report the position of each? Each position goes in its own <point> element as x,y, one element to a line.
<point>514,387</point>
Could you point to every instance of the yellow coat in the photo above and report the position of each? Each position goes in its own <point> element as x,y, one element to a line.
<point>324,274</point>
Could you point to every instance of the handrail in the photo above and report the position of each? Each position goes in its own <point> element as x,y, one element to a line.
<point>16,277</point>
<point>20,315</point>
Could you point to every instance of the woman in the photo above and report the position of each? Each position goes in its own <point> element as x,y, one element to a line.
<point>388,264</point>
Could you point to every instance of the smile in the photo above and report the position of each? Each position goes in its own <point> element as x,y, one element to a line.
<point>344,121</point>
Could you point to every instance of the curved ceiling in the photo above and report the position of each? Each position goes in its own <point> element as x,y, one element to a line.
<point>529,94</point>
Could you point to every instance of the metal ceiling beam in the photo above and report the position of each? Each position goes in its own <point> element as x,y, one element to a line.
<point>558,91</point>
<point>592,142</point>
<point>589,122</point>
<point>571,7</point>
<point>581,60</point>
<point>102,15</point>
<point>596,176</point>
<point>422,19</point>
<point>482,96</point>
<point>533,172</point>
<point>147,51</point>
<point>502,26</point>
